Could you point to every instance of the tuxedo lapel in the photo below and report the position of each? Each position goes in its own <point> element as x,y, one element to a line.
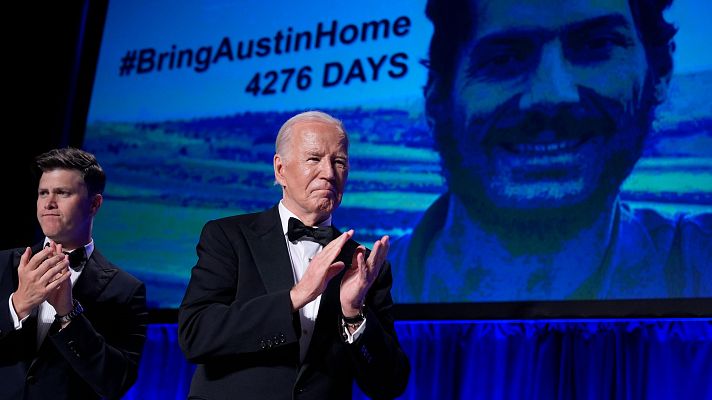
<point>328,319</point>
<point>267,244</point>
<point>46,352</point>
<point>330,306</point>
<point>30,339</point>
<point>96,274</point>
<point>327,322</point>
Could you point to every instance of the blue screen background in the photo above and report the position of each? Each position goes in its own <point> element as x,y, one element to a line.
<point>181,146</point>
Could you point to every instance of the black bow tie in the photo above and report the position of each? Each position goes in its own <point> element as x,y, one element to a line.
<point>77,258</point>
<point>296,230</point>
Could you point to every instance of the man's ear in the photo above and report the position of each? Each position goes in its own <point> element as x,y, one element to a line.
<point>96,202</point>
<point>661,87</point>
<point>661,77</point>
<point>431,105</point>
<point>278,164</point>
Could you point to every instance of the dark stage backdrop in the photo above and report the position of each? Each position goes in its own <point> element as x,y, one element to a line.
<point>188,98</point>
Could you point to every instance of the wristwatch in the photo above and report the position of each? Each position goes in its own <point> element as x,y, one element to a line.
<point>355,321</point>
<point>77,309</point>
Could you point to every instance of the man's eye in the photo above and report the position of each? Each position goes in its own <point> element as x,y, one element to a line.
<point>504,59</point>
<point>501,63</point>
<point>599,43</point>
<point>595,47</point>
<point>498,59</point>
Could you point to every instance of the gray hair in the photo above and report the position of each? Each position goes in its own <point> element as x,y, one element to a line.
<point>285,132</point>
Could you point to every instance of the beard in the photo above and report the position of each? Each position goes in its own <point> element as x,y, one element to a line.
<point>534,209</point>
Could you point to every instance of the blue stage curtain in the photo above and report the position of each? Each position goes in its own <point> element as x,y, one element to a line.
<point>593,359</point>
<point>164,372</point>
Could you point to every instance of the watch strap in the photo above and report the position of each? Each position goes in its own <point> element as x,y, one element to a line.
<point>77,309</point>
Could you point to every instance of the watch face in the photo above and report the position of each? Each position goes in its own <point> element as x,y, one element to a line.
<point>76,310</point>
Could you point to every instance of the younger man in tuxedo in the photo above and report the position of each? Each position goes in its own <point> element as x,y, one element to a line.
<point>73,325</point>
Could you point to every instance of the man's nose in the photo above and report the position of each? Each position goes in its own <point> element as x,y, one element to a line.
<point>50,201</point>
<point>327,169</point>
<point>552,82</point>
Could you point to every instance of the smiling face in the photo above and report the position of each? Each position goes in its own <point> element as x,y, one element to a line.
<point>313,170</point>
<point>549,103</point>
<point>65,210</point>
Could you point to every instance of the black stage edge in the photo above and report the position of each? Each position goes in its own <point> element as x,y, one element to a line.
<point>658,308</point>
<point>599,309</point>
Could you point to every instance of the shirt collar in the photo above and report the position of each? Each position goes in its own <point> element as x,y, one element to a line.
<point>88,248</point>
<point>285,214</point>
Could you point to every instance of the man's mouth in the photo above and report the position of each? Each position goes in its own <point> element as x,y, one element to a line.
<point>542,148</point>
<point>562,130</point>
<point>326,189</point>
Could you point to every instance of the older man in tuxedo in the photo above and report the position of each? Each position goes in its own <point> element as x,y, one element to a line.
<point>276,309</point>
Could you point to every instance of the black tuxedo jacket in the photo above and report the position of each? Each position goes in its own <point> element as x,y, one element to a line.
<point>236,322</point>
<point>96,355</point>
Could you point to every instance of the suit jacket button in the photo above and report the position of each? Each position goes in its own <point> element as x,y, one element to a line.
<point>31,379</point>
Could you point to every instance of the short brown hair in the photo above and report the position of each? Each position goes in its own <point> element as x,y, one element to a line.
<point>75,159</point>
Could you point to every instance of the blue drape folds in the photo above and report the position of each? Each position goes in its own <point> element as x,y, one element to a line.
<point>164,372</point>
<point>590,359</point>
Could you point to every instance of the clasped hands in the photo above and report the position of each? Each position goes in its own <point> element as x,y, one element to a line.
<point>43,276</point>
<point>356,281</point>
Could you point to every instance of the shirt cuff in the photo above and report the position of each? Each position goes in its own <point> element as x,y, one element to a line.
<point>351,337</point>
<point>15,320</point>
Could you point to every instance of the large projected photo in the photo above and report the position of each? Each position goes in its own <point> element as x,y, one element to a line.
<point>513,151</point>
